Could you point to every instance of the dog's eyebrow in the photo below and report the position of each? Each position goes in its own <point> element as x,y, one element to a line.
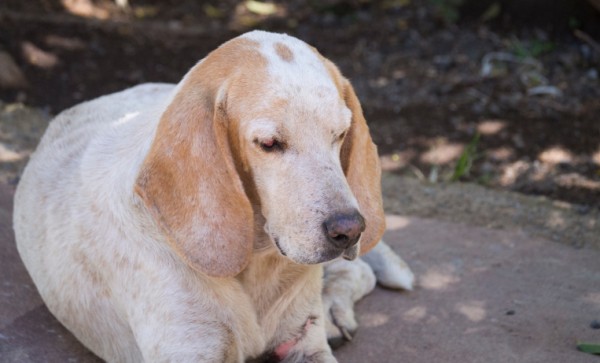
<point>264,128</point>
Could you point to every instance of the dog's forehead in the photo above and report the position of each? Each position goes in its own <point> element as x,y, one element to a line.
<point>300,79</point>
<point>292,62</point>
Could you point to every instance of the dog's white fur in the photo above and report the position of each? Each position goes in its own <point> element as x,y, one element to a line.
<point>147,218</point>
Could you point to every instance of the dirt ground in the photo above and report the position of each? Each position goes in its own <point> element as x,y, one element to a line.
<point>430,76</point>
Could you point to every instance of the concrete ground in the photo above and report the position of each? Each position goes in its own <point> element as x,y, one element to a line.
<point>483,295</point>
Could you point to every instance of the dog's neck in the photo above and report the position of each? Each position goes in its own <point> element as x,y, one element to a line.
<point>285,280</point>
<point>268,267</point>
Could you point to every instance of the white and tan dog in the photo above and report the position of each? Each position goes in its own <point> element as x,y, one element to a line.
<point>188,223</point>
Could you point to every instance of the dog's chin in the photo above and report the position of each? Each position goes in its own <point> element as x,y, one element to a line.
<point>320,256</point>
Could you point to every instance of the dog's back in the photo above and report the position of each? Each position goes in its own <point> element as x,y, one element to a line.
<point>56,213</point>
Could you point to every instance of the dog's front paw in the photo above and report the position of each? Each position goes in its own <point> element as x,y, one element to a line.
<point>344,283</point>
<point>389,268</point>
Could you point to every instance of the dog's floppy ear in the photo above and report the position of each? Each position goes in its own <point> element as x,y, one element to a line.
<point>189,183</point>
<point>361,166</point>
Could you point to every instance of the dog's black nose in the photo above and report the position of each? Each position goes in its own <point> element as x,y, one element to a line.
<point>343,230</point>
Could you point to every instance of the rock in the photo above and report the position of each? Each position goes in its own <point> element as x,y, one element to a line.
<point>11,76</point>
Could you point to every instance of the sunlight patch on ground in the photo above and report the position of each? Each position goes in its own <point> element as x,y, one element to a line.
<point>438,278</point>
<point>472,310</point>
<point>556,155</point>
<point>373,320</point>
<point>579,181</point>
<point>491,127</point>
<point>396,222</point>
<point>38,57</point>
<point>512,171</point>
<point>85,8</point>
<point>415,314</point>
<point>502,153</point>
<point>442,153</point>
<point>248,14</point>
<point>397,160</point>
<point>9,156</point>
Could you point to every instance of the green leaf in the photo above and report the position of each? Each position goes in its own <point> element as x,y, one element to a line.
<point>492,12</point>
<point>212,11</point>
<point>592,348</point>
<point>465,161</point>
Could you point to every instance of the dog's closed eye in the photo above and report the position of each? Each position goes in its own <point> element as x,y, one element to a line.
<point>270,145</point>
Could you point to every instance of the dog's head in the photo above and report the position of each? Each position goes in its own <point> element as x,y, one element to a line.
<point>264,120</point>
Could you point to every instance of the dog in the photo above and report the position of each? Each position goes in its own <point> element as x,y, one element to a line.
<point>191,222</point>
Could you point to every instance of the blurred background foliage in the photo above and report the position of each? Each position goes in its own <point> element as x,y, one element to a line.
<point>504,93</point>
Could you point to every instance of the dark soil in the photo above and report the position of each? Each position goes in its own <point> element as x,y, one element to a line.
<point>430,77</point>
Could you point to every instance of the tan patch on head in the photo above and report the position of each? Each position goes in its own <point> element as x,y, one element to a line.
<point>284,52</point>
